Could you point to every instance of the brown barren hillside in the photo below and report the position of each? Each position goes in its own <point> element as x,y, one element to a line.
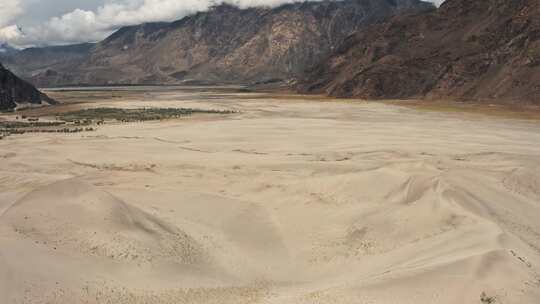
<point>223,45</point>
<point>482,50</point>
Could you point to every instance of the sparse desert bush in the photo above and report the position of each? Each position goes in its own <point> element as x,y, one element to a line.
<point>8,128</point>
<point>34,124</point>
<point>131,115</point>
<point>484,298</point>
<point>81,121</point>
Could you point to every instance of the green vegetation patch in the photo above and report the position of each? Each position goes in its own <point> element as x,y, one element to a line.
<point>8,128</point>
<point>33,124</point>
<point>131,115</point>
<point>83,120</point>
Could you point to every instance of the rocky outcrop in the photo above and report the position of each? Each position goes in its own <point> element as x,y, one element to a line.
<point>15,91</point>
<point>224,45</point>
<point>481,50</point>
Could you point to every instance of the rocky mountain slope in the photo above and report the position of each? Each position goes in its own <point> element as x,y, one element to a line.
<point>32,61</point>
<point>483,50</point>
<point>223,45</point>
<point>14,91</point>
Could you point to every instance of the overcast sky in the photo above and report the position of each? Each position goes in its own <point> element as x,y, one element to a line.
<point>47,22</point>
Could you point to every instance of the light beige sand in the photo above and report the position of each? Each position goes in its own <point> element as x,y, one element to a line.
<point>287,202</point>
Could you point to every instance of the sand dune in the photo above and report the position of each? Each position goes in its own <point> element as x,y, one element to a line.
<point>286,202</point>
<point>71,215</point>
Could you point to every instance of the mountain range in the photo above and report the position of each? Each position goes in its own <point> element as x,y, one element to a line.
<point>373,49</point>
<point>223,45</point>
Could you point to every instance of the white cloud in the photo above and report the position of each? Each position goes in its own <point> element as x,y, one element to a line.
<point>10,32</point>
<point>91,25</point>
<point>9,10</point>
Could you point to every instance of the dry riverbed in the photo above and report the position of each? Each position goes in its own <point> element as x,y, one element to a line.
<point>274,199</point>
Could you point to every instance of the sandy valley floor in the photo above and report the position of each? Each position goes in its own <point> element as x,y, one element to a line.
<point>288,201</point>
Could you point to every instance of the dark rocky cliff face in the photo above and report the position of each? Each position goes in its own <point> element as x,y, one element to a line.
<point>223,45</point>
<point>14,90</point>
<point>482,50</point>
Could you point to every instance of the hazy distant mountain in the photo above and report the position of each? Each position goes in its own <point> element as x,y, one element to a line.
<point>34,61</point>
<point>15,91</point>
<point>223,45</point>
<point>482,49</point>
<point>7,50</point>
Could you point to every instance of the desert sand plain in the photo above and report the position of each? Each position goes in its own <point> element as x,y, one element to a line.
<point>290,200</point>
